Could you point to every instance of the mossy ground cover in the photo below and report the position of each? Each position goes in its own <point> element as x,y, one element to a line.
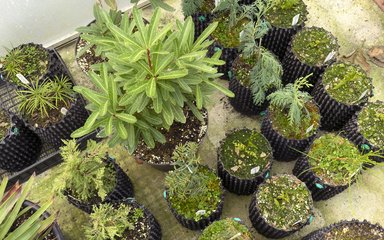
<point>308,125</point>
<point>281,15</point>
<point>371,123</point>
<point>284,202</point>
<point>347,83</point>
<point>4,125</point>
<point>228,37</point>
<point>242,68</point>
<point>355,232</point>
<point>244,150</point>
<point>312,45</point>
<point>226,229</point>
<point>207,6</point>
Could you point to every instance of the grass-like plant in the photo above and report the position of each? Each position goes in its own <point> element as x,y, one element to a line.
<point>11,211</point>
<point>85,174</point>
<point>110,222</point>
<point>226,229</point>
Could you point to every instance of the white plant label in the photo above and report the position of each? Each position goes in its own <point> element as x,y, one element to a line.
<point>330,56</point>
<point>295,19</point>
<point>22,78</point>
<point>241,34</point>
<point>201,212</point>
<point>309,129</point>
<point>363,94</point>
<point>255,170</point>
<point>217,2</point>
<point>64,111</point>
<point>1,65</point>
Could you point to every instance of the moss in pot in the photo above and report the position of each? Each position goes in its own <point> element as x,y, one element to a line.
<point>292,121</point>
<point>310,51</point>
<point>281,206</point>
<point>244,160</point>
<point>340,92</point>
<point>228,228</point>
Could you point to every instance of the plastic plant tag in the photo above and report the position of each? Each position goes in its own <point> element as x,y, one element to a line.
<point>217,2</point>
<point>22,78</point>
<point>235,236</point>
<point>64,111</point>
<point>237,219</point>
<point>189,169</point>
<point>230,74</point>
<point>319,186</point>
<point>266,175</point>
<point>295,19</point>
<point>201,18</point>
<point>217,49</point>
<point>363,94</point>
<point>330,56</point>
<point>309,129</point>
<point>201,212</point>
<point>1,65</point>
<point>15,131</point>
<point>165,194</point>
<point>310,219</point>
<point>263,113</point>
<point>241,34</point>
<point>255,170</point>
<point>365,147</point>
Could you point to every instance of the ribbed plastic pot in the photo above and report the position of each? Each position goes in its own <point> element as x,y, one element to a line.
<point>373,228</point>
<point>55,227</point>
<point>228,55</point>
<point>319,189</point>
<point>201,21</point>
<point>284,149</point>
<point>334,114</point>
<point>20,148</point>
<point>123,189</point>
<point>73,119</point>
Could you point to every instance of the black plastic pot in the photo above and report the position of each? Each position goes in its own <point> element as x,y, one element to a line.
<point>284,149</point>
<point>123,189</point>
<point>319,189</point>
<point>55,227</point>
<point>20,148</point>
<point>228,55</point>
<point>334,114</point>
<point>372,228</point>
<point>201,21</point>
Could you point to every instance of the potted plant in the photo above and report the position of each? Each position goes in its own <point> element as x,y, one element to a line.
<point>256,72</point>
<point>340,92</point>
<point>291,122</point>
<point>331,165</point>
<point>22,219</point>
<point>52,109</point>
<point>353,229</point>
<point>30,62</point>
<point>149,85</point>
<point>91,177</point>
<point>122,220</point>
<point>19,146</point>
<point>281,206</point>
<point>193,193</point>
<point>287,17</point>
<point>311,50</point>
<point>365,129</point>
<point>228,228</point>
<point>244,160</point>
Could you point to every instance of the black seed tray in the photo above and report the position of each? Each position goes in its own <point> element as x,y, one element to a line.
<point>18,151</point>
<point>334,115</point>
<point>319,189</point>
<point>201,21</point>
<point>284,149</point>
<point>320,234</point>
<point>123,189</point>
<point>243,100</point>
<point>228,55</point>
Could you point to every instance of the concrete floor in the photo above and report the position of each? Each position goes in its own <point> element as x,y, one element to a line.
<point>356,24</point>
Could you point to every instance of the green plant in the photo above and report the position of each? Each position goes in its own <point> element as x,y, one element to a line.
<point>226,229</point>
<point>109,222</point>
<point>38,99</point>
<point>150,76</point>
<point>5,124</point>
<point>185,152</point>
<point>371,123</point>
<point>285,12</point>
<point>11,210</point>
<point>155,3</point>
<point>85,174</point>
<point>191,7</point>
<point>287,4</point>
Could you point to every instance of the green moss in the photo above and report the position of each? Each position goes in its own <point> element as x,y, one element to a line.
<point>209,202</point>
<point>312,45</point>
<point>243,150</point>
<point>356,232</point>
<point>4,125</point>
<point>207,6</point>
<point>308,126</point>
<point>334,159</point>
<point>281,15</point>
<point>242,69</point>
<point>347,83</point>
<point>226,229</point>
<point>371,124</point>
<point>284,202</point>
<point>226,36</point>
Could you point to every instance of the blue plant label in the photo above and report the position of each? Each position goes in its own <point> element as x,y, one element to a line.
<point>237,219</point>
<point>319,186</point>
<point>112,157</point>
<point>310,219</point>
<point>202,18</point>
<point>230,74</point>
<point>165,194</point>
<point>217,49</point>
<point>263,113</point>
<point>365,147</point>
<point>266,175</point>
<point>15,131</point>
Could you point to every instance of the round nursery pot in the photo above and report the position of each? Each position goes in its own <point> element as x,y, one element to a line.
<point>46,57</point>
<point>366,129</point>
<point>281,206</point>
<point>244,160</point>
<point>55,233</point>
<point>353,229</point>
<point>201,15</point>
<point>19,146</point>
<point>286,143</point>
<point>325,183</point>
<point>340,92</point>
<point>123,189</point>
<point>285,22</point>
<point>159,157</point>
<point>201,218</point>
<point>225,229</point>
<point>311,50</point>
